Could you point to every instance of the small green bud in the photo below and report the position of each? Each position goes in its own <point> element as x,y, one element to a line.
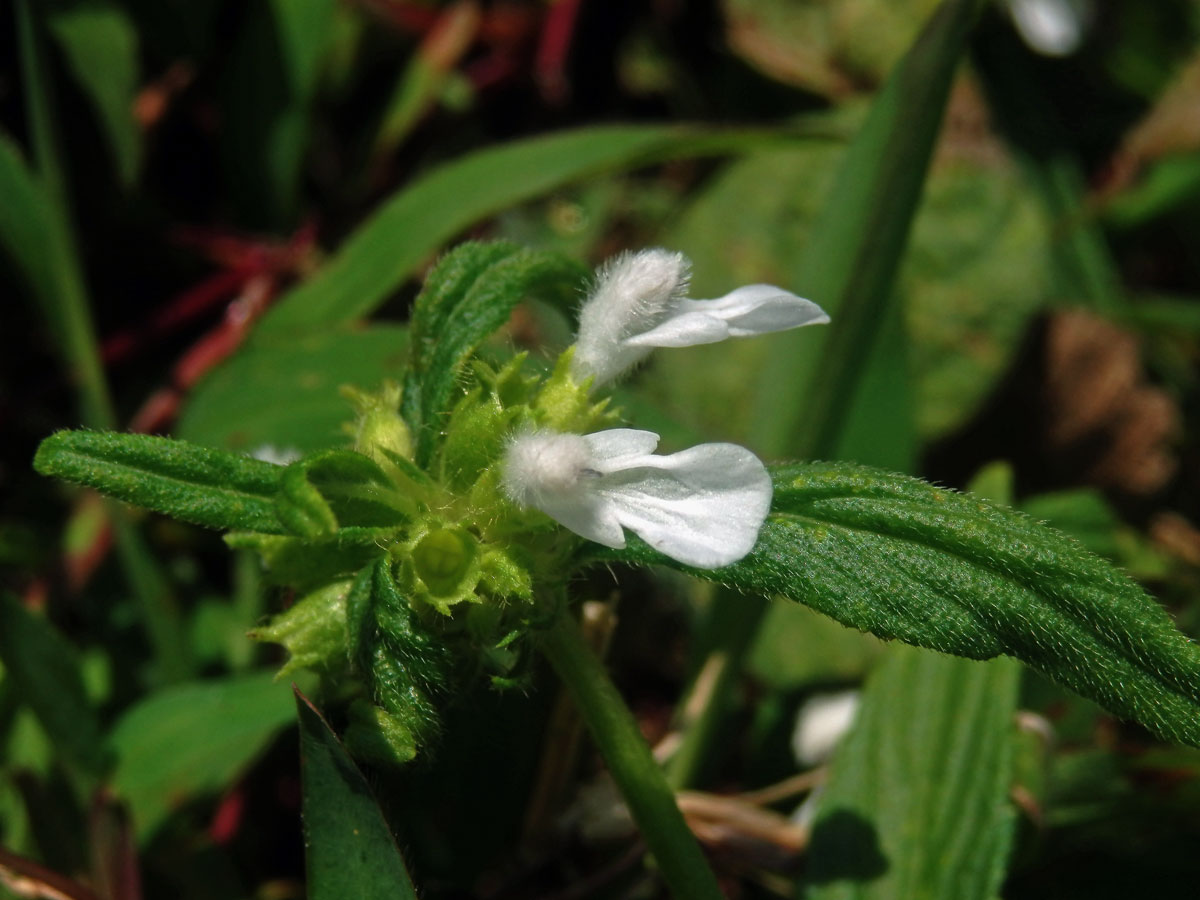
<point>377,735</point>
<point>313,630</point>
<point>300,506</point>
<point>380,432</point>
<point>503,576</point>
<point>475,435</point>
<point>565,405</point>
<point>445,564</point>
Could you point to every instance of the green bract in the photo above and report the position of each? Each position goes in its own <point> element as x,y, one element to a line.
<point>412,568</point>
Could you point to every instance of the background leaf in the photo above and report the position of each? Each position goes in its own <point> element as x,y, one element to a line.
<point>350,849</point>
<point>192,739</point>
<point>420,218</point>
<point>45,671</point>
<point>917,800</point>
<point>213,488</point>
<point>954,573</point>
<point>100,45</point>
<point>849,264</point>
<point>268,80</point>
<point>284,393</point>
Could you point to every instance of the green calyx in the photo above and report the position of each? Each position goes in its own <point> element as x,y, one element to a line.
<point>396,559</point>
<point>313,630</point>
<point>442,565</point>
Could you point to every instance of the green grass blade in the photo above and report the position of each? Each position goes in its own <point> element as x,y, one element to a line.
<point>207,487</point>
<point>39,102</point>
<point>34,235</point>
<point>917,802</point>
<point>850,263</point>
<point>99,43</point>
<point>350,849</point>
<point>35,230</point>
<point>45,671</point>
<point>421,217</point>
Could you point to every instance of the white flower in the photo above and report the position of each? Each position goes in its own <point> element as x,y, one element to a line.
<point>703,506</point>
<point>639,303</point>
<point>1051,27</point>
<point>280,456</point>
<point>821,724</point>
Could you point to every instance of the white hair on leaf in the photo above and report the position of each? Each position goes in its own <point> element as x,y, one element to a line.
<point>703,506</point>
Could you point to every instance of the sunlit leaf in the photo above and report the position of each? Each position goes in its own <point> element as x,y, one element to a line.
<point>917,802</point>
<point>420,218</point>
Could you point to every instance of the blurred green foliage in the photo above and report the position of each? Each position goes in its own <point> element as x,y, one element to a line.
<point>203,201</point>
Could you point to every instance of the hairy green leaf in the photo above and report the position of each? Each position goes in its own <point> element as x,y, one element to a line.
<point>468,296</point>
<point>45,671</point>
<point>208,487</point>
<point>350,849</point>
<point>903,559</point>
<point>421,217</point>
<point>404,665</point>
<point>917,802</point>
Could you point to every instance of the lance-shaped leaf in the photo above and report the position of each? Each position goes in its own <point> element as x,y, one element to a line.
<point>469,295</point>
<point>196,484</point>
<point>350,849</point>
<point>903,559</point>
<point>419,218</point>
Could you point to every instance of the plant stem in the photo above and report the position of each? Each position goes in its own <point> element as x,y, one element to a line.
<point>641,781</point>
<point>732,624</point>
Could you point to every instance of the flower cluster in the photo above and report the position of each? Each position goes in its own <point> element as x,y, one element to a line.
<point>704,506</point>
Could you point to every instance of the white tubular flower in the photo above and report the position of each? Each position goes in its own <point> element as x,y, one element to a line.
<point>703,506</point>
<point>639,303</point>
<point>1052,27</point>
<point>821,724</point>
